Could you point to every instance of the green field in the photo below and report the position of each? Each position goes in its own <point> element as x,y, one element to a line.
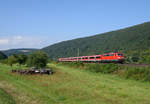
<point>5,98</point>
<point>70,86</point>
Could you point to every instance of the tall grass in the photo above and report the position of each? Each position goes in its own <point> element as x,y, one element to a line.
<point>72,86</point>
<point>138,73</point>
<point>5,98</point>
<point>73,64</point>
<point>132,72</point>
<point>94,67</point>
<point>103,68</point>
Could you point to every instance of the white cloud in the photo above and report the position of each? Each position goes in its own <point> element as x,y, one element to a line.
<point>4,41</point>
<point>15,40</point>
<point>19,41</point>
<point>18,37</point>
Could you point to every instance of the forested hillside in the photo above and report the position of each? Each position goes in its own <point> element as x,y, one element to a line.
<point>133,41</point>
<point>2,56</point>
<point>19,51</point>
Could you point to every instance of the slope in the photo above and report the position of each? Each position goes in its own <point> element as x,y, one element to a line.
<point>130,40</point>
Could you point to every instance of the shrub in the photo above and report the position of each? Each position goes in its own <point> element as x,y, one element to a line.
<point>103,68</point>
<point>138,73</point>
<point>37,59</point>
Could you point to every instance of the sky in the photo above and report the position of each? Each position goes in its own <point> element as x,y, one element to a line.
<point>40,23</point>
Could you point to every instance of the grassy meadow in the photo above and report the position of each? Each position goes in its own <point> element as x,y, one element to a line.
<point>70,86</point>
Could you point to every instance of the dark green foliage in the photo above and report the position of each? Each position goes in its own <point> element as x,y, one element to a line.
<point>131,41</point>
<point>21,58</point>
<point>145,57</point>
<point>135,59</point>
<point>37,59</point>
<point>138,73</point>
<point>2,56</point>
<point>12,60</point>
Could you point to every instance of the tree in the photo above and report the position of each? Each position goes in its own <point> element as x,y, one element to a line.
<point>12,60</point>
<point>37,59</point>
<point>21,59</point>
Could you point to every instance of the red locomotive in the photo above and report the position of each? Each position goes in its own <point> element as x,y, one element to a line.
<point>107,57</point>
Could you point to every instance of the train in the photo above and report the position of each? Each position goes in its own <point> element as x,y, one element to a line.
<point>115,57</point>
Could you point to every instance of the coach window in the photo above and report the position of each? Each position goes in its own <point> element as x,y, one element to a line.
<point>92,57</point>
<point>98,57</point>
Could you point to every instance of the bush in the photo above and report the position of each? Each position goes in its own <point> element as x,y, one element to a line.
<point>103,68</point>
<point>138,73</point>
<point>37,59</point>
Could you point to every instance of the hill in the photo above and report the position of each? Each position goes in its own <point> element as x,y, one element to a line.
<point>132,41</point>
<point>19,51</point>
<point>2,56</point>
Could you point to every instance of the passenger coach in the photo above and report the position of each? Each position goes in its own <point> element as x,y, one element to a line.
<point>107,57</point>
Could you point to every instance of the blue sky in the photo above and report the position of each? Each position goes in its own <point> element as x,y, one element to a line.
<point>39,23</point>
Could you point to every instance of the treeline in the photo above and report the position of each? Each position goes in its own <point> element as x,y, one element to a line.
<point>36,59</point>
<point>134,42</point>
<point>138,56</point>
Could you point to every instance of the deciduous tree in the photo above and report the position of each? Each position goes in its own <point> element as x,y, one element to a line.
<point>37,59</point>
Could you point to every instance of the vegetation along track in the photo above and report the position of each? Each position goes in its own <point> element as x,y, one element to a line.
<point>131,64</point>
<point>136,65</point>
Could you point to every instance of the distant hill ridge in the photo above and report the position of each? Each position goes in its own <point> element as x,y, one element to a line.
<point>19,51</point>
<point>128,40</point>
